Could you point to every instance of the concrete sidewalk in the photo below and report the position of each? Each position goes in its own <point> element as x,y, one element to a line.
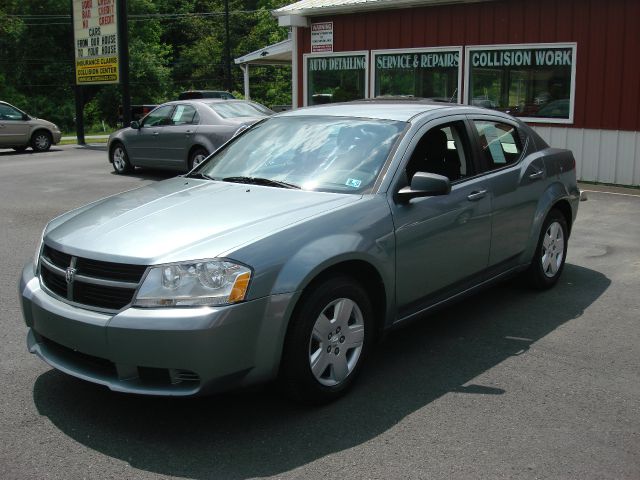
<point>86,137</point>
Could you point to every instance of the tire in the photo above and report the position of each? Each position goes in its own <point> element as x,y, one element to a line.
<point>327,341</point>
<point>20,149</point>
<point>551,252</point>
<point>41,141</point>
<point>120,160</point>
<point>196,157</point>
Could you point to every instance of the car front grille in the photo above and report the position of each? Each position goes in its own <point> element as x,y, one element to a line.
<point>87,282</point>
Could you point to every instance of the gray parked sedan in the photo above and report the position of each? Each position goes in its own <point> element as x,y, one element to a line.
<point>287,252</point>
<point>179,135</point>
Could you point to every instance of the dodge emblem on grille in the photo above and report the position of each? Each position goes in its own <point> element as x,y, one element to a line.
<point>69,275</point>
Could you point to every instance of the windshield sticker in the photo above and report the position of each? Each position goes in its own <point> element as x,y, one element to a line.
<point>353,182</point>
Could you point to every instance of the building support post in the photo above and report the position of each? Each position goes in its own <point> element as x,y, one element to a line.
<point>245,74</point>
<point>294,67</point>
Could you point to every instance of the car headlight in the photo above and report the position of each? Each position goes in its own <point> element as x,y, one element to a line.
<point>198,283</point>
<point>36,256</point>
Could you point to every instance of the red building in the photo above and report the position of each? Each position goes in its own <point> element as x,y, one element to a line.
<point>571,68</point>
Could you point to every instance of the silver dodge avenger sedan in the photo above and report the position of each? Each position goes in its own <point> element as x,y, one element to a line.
<point>288,251</point>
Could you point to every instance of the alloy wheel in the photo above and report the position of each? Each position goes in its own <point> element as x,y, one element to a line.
<point>552,250</point>
<point>336,341</point>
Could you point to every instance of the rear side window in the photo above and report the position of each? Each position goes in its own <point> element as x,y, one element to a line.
<point>500,143</point>
<point>185,114</point>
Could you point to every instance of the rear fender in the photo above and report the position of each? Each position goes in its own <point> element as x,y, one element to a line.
<point>551,196</point>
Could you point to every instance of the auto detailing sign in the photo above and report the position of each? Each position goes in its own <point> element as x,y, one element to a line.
<point>322,37</point>
<point>351,62</point>
<point>95,33</point>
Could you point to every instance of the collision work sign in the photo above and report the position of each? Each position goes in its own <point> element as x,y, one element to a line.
<point>95,34</point>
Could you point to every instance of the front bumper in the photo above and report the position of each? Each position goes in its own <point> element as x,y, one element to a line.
<point>169,351</point>
<point>56,136</point>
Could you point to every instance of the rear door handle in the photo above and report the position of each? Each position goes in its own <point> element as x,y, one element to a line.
<point>475,196</point>
<point>156,133</point>
<point>537,175</point>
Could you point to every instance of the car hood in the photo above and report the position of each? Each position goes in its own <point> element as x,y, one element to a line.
<point>41,121</point>
<point>184,219</point>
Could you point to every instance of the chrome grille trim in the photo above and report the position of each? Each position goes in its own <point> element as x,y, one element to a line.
<point>86,291</point>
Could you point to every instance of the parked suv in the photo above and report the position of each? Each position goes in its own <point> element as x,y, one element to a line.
<point>18,130</point>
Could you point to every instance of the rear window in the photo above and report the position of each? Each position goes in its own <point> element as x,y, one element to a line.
<point>238,109</point>
<point>204,94</point>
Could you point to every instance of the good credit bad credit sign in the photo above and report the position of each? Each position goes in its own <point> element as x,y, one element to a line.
<point>95,33</point>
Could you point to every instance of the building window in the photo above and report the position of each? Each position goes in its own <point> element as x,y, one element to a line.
<point>337,77</point>
<point>418,72</point>
<point>533,82</point>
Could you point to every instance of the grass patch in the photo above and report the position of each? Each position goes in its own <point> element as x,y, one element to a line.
<point>88,140</point>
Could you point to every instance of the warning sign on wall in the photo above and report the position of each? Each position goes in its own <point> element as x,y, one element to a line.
<point>322,37</point>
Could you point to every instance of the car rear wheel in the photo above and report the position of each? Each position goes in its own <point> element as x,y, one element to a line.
<point>41,141</point>
<point>197,157</point>
<point>551,252</point>
<point>120,160</point>
<point>327,341</point>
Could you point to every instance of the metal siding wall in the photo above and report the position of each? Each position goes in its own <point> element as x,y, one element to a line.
<point>626,156</point>
<point>607,156</point>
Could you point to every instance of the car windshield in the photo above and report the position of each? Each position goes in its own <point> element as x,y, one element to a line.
<point>328,154</point>
<point>239,109</point>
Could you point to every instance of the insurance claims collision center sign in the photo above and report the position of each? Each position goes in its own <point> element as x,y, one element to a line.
<point>95,31</point>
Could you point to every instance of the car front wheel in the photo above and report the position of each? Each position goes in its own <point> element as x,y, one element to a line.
<point>327,341</point>
<point>41,141</point>
<point>551,252</point>
<point>120,160</point>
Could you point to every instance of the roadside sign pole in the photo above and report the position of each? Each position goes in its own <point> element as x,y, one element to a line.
<point>123,37</point>
<point>77,89</point>
<point>79,114</point>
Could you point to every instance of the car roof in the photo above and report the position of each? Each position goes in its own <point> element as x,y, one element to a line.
<point>208,100</point>
<point>399,109</point>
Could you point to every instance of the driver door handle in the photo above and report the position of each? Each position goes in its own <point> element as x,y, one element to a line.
<point>537,175</point>
<point>477,195</point>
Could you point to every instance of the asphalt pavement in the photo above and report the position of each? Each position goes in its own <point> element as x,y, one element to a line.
<point>509,384</point>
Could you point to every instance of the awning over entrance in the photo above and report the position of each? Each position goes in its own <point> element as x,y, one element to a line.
<point>276,54</point>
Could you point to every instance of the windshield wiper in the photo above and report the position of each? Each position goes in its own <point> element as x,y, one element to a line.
<point>200,175</point>
<point>260,181</point>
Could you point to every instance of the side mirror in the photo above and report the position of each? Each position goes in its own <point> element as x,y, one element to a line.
<point>25,117</point>
<point>425,184</point>
<point>135,125</point>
